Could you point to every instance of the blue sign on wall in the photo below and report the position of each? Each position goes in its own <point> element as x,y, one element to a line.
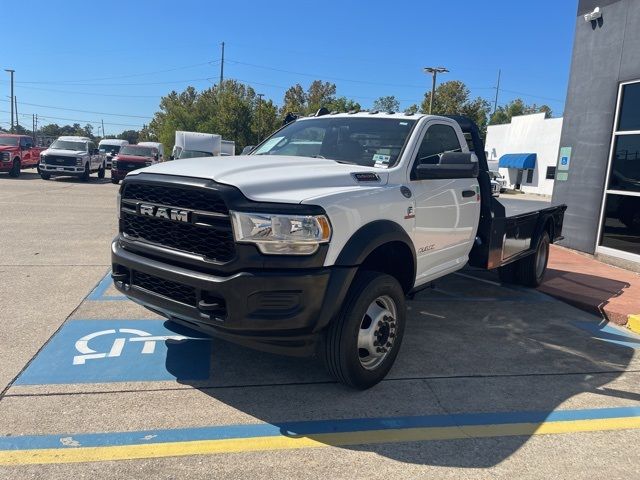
<point>104,351</point>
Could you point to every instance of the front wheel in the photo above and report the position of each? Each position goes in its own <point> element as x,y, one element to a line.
<point>362,343</point>
<point>115,181</point>
<point>86,174</point>
<point>15,169</point>
<point>101,171</point>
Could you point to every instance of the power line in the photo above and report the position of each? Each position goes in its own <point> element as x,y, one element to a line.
<point>71,92</point>
<point>131,75</point>
<point>41,117</point>
<point>81,111</point>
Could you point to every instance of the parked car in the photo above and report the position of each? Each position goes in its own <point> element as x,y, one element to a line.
<point>72,156</point>
<point>502,182</point>
<point>158,146</point>
<point>495,188</point>
<point>315,252</point>
<point>198,144</point>
<point>132,157</point>
<point>17,152</point>
<point>110,147</point>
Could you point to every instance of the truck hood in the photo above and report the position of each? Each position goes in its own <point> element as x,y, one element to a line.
<point>133,158</point>
<point>268,178</point>
<point>55,151</point>
<point>8,148</point>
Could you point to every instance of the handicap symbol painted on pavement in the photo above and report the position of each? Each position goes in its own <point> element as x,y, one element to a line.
<point>104,351</point>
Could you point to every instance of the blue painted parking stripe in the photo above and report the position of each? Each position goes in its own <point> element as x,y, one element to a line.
<point>610,334</point>
<point>307,428</point>
<point>99,293</point>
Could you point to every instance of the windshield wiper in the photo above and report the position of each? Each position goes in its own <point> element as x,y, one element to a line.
<point>344,161</point>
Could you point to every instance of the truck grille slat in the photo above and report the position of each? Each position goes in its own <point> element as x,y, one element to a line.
<point>212,241</point>
<point>166,288</point>
<point>194,199</point>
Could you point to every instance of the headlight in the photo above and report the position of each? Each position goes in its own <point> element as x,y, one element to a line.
<point>43,159</point>
<point>276,234</point>
<point>148,163</point>
<point>78,161</point>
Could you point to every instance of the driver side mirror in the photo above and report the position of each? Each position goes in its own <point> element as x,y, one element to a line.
<point>451,165</point>
<point>96,151</point>
<point>246,150</point>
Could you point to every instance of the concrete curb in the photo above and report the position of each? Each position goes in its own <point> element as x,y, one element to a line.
<point>633,323</point>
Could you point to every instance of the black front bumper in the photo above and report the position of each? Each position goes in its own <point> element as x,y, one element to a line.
<point>276,310</point>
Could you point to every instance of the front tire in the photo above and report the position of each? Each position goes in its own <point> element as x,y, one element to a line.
<point>15,168</point>
<point>86,175</point>
<point>101,171</point>
<point>115,181</point>
<point>362,343</point>
<point>45,176</point>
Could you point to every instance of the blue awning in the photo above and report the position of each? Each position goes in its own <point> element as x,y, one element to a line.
<point>518,160</point>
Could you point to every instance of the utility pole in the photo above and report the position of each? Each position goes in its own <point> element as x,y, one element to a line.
<point>35,131</point>
<point>434,71</point>
<point>15,99</point>
<point>33,125</point>
<point>222,65</point>
<point>11,72</point>
<point>495,103</point>
<point>260,95</point>
<point>103,135</point>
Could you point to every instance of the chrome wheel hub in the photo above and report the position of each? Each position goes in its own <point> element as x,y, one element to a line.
<point>377,333</point>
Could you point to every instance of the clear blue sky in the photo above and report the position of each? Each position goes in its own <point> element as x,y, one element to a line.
<point>120,57</point>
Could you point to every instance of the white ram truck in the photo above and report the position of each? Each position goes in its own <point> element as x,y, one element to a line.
<point>310,244</point>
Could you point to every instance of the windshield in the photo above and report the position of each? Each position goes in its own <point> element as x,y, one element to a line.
<point>69,145</point>
<point>110,149</point>
<point>9,141</point>
<point>194,154</point>
<point>371,142</point>
<point>138,151</point>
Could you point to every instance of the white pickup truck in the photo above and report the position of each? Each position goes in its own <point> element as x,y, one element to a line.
<point>310,244</point>
<point>72,156</point>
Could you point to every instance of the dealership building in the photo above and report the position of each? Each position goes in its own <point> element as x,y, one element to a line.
<point>598,168</point>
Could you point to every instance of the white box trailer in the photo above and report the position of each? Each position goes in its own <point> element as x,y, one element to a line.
<point>197,144</point>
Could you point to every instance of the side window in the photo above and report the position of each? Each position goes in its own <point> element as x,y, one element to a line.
<point>23,142</point>
<point>439,139</point>
<point>91,147</point>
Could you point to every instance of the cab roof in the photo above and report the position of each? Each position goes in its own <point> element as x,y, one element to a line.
<point>75,138</point>
<point>374,114</point>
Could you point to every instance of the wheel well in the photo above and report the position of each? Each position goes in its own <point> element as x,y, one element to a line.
<point>395,259</point>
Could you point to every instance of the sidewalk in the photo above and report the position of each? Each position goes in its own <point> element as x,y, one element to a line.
<point>590,285</point>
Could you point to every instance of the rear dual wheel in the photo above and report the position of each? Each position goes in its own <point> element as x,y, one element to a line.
<point>362,343</point>
<point>528,271</point>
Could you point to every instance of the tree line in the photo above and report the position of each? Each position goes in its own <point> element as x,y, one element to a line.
<point>235,111</point>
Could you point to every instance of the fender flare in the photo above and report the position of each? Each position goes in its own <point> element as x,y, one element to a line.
<point>371,236</point>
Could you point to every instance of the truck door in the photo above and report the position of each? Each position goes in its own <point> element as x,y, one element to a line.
<point>25,154</point>
<point>447,210</point>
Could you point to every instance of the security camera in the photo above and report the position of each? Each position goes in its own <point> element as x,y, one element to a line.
<point>596,14</point>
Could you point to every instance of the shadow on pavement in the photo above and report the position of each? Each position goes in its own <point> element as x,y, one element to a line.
<point>590,293</point>
<point>456,358</point>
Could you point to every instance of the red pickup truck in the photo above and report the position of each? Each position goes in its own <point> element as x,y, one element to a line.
<point>18,152</point>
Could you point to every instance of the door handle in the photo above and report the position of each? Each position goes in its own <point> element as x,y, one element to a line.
<point>468,193</point>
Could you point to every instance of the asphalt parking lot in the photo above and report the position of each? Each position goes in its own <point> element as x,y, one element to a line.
<point>492,381</point>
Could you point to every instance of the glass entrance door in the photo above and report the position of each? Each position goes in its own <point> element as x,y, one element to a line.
<point>620,218</point>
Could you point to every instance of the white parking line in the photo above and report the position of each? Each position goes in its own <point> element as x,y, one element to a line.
<point>490,282</point>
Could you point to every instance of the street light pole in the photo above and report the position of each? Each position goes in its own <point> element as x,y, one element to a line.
<point>11,72</point>
<point>434,71</point>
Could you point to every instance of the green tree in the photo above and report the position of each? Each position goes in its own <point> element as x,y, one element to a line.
<point>343,104</point>
<point>453,98</point>
<point>515,108</point>
<point>386,104</point>
<point>295,101</point>
<point>131,136</point>
<point>412,109</point>
<point>320,94</point>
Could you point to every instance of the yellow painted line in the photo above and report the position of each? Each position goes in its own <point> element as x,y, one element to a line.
<point>256,444</point>
<point>633,323</point>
